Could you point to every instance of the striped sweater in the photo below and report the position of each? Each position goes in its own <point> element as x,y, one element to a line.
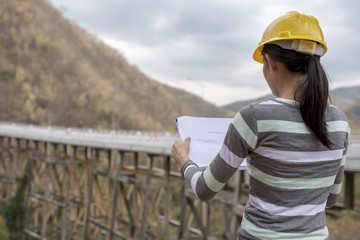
<point>293,176</point>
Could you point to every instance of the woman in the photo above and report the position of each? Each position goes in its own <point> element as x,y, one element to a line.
<point>295,145</point>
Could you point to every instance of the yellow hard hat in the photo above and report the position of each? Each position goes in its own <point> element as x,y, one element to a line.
<point>293,26</point>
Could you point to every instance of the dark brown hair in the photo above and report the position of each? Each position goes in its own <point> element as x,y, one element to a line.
<point>314,92</point>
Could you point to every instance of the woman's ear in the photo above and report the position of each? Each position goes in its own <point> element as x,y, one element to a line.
<point>272,62</point>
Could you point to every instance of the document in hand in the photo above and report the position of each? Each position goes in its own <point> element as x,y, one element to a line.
<point>207,136</point>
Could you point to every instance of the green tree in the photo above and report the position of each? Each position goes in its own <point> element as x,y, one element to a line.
<point>7,75</point>
<point>14,211</point>
<point>4,233</point>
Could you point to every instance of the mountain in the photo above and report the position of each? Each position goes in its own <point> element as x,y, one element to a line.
<point>342,97</point>
<point>236,106</point>
<point>345,98</point>
<point>54,72</point>
<point>353,115</point>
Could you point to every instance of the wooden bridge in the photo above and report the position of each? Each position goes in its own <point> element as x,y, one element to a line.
<point>86,184</point>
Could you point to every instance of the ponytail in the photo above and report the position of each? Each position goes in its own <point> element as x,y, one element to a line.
<point>314,100</point>
<point>314,92</point>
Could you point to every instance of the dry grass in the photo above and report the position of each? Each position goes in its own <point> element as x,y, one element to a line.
<point>345,227</point>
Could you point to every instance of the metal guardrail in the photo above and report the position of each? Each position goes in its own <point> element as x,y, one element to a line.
<point>139,141</point>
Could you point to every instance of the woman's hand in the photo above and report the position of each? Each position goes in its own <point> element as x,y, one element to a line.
<point>180,151</point>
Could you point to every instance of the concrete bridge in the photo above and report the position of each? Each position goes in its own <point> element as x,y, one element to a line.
<point>87,184</point>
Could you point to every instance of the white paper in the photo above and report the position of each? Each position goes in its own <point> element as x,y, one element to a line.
<point>207,136</point>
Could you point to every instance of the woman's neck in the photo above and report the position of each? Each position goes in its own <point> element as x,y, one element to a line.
<point>288,83</point>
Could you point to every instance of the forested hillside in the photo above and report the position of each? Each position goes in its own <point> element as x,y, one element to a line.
<point>345,98</point>
<point>353,115</point>
<point>54,72</point>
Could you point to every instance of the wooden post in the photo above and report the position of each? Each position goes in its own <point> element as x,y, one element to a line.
<point>115,199</point>
<point>235,202</point>
<point>147,192</point>
<point>94,157</point>
<point>28,191</point>
<point>167,196</point>
<point>47,192</point>
<point>13,159</point>
<point>349,190</point>
<point>64,223</point>
<point>183,212</point>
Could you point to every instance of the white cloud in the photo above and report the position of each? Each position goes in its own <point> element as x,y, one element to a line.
<point>163,21</point>
<point>135,52</point>
<point>221,94</point>
<point>212,41</point>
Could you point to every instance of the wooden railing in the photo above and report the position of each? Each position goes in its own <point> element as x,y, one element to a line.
<point>84,184</point>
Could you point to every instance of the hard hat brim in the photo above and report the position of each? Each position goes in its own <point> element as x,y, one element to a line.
<point>258,55</point>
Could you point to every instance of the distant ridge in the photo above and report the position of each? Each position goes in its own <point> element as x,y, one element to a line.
<point>345,98</point>
<point>236,106</point>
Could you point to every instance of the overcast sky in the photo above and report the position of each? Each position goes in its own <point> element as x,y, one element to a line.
<point>206,46</point>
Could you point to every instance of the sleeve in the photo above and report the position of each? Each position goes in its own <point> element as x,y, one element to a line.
<point>336,187</point>
<point>240,139</point>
